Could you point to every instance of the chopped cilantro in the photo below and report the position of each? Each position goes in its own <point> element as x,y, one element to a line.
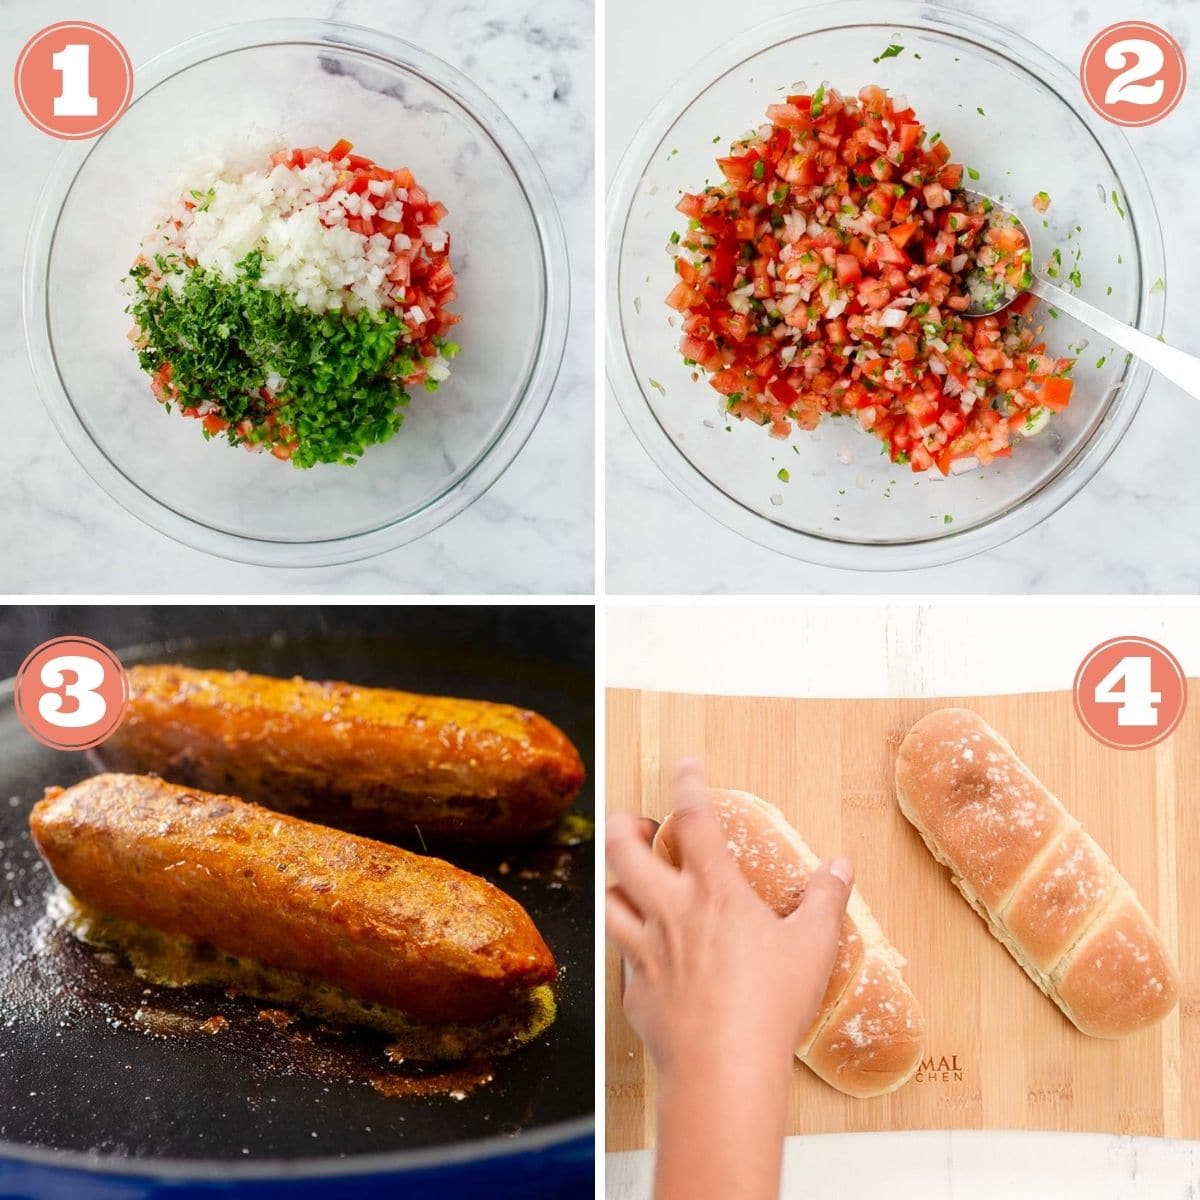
<point>1117,204</point>
<point>974,174</point>
<point>203,199</point>
<point>818,101</point>
<point>221,339</point>
<point>890,52</point>
<point>782,475</point>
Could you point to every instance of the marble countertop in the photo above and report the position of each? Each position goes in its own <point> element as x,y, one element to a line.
<point>872,649</point>
<point>531,533</point>
<point>1135,528</point>
<point>960,1165</point>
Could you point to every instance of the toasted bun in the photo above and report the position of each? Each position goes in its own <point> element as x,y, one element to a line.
<point>1045,888</point>
<point>868,1034</point>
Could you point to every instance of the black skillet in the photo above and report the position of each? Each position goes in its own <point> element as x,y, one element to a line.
<point>109,1087</point>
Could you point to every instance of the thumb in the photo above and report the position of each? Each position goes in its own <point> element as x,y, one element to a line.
<point>823,907</point>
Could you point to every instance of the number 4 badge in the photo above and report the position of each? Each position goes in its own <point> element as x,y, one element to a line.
<point>1130,693</point>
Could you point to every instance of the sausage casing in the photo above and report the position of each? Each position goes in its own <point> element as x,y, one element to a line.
<point>369,759</point>
<point>385,925</point>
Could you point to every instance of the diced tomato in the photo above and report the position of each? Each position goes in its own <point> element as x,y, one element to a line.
<point>849,269</point>
<point>783,392</point>
<point>339,150</point>
<point>790,117</point>
<point>826,220</point>
<point>799,169</point>
<point>729,381</point>
<point>908,135</point>
<point>1056,393</point>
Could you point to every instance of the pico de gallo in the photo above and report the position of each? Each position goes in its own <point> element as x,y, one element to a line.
<point>291,308</point>
<point>829,272</point>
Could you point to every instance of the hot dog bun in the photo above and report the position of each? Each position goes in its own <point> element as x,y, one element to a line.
<point>1044,887</point>
<point>869,1032</point>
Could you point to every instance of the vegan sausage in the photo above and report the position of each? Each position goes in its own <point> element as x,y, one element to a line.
<point>377,761</point>
<point>385,925</point>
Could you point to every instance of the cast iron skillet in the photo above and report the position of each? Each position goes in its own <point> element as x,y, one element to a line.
<point>135,1105</point>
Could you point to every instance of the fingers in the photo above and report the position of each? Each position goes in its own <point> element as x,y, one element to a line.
<point>822,909</point>
<point>698,836</point>
<point>647,828</point>
<point>642,877</point>
<point>622,923</point>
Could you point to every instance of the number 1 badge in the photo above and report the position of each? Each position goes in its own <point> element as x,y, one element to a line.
<point>73,80</point>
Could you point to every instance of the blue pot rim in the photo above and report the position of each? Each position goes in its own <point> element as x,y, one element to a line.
<point>574,1136</point>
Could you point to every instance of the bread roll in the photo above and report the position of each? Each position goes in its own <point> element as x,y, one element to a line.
<point>1044,887</point>
<point>869,1032</point>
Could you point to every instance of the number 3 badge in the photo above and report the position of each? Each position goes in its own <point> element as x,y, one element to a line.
<point>71,693</point>
<point>1130,693</point>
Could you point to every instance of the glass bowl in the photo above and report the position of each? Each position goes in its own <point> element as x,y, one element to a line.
<point>260,86</point>
<point>1006,108</point>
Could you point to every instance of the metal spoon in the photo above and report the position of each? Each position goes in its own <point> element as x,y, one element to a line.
<point>1180,368</point>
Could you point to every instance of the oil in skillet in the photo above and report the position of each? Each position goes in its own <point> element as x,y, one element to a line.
<point>322,1027</point>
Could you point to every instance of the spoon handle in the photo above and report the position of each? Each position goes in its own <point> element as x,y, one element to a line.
<point>1180,368</point>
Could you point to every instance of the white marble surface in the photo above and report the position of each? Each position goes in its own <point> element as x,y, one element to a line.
<point>531,533</point>
<point>1135,528</point>
<point>864,648</point>
<point>861,648</point>
<point>959,1165</point>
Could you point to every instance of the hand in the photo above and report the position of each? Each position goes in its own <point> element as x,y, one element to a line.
<point>721,990</point>
<point>710,964</point>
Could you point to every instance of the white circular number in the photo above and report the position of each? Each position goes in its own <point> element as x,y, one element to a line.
<point>90,706</point>
<point>73,62</point>
<point>1138,702</point>
<point>1148,60</point>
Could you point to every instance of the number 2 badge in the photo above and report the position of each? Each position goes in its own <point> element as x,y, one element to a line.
<point>1133,73</point>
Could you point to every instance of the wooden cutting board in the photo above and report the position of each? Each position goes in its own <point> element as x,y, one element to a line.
<point>999,1054</point>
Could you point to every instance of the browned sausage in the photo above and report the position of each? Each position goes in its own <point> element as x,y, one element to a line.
<point>400,929</point>
<point>369,759</point>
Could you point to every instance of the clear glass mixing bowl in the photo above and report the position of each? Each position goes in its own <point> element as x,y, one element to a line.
<point>299,83</point>
<point>845,504</point>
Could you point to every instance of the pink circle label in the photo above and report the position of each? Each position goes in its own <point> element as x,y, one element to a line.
<point>1130,693</point>
<point>71,693</point>
<point>1133,73</point>
<point>73,80</point>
